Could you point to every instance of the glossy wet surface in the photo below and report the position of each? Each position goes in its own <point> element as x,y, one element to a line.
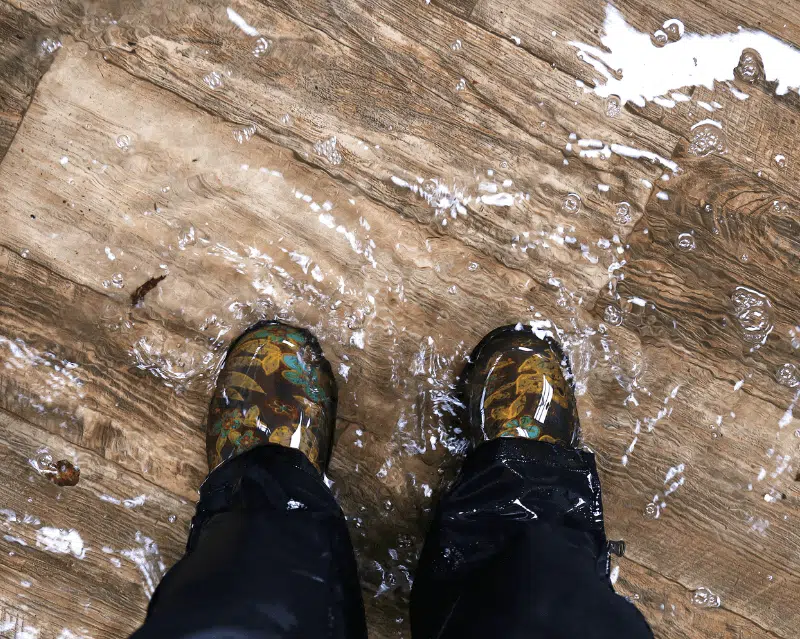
<point>400,179</point>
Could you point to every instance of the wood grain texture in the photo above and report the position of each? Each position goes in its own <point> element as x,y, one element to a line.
<point>127,167</point>
<point>21,65</point>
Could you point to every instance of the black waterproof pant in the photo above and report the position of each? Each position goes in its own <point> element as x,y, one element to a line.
<point>516,549</point>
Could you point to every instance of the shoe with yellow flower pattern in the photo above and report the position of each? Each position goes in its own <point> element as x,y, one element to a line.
<point>518,384</point>
<point>276,387</point>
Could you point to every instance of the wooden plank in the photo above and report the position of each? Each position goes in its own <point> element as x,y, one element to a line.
<point>81,559</point>
<point>66,369</point>
<point>726,431</point>
<point>24,55</point>
<point>514,116</point>
<point>671,609</point>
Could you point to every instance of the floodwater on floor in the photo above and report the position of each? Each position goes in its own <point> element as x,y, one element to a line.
<point>401,180</point>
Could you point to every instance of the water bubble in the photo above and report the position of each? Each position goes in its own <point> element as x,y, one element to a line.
<point>117,280</point>
<point>456,46</point>
<point>571,203</point>
<point>753,312</point>
<point>659,38</point>
<point>685,242</point>
<point>674,29</point>
<point>780,160</point>
<point>779,207</point>
<point>706,139</point>
<point>49,46</point>
<point>652,510</point>
<point>187,237</point>
<point>245,133</point>
<point>613,106</point>
<point>749,67</point>
<point>462,84</point>
<point>613,315</point>
<point>213,80</point>
<point>123,142</point>
<point>261,47</point>
<point>704,598</point>
<point>327,149</point>
<point>788,375</point>
<point>623,213</point>
<point>43,460</point>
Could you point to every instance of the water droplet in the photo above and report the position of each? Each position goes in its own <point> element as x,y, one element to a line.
<point>456,46</point>
<point>286,119</point>
<point>780,160</point>
<point>652,510</point>
<point>187,237</point>
<point>704,598</point>
<point>613,106</point>
<point>261,47</point>
<point>24,253</point>
<point>123,142</point>
<point>780,207</point>
<point>623,213</point>
<point>788,375</point>
<point>753,312</point>
<point>117,280</point>
<point>165,189</point>
<point>473,266</point>
<point>571,203</point>
<point>462,85</point>
<point>213,80</point>
<point>44,460</point>
<point>659,38</point>
<point>172,519</point>
<point>49,46</point>
<point>685,242</point>
<point>706,139</point>
<point>749,67</point>
<point>245,133</point>
<point>613,315</point>
<point>327,149</point>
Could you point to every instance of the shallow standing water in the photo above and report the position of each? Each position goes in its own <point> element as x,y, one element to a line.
<point>401,179</point>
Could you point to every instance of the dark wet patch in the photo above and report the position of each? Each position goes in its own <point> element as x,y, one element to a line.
<point>138,295</point>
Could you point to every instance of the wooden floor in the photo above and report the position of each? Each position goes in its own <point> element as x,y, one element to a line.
<point>397,177</point>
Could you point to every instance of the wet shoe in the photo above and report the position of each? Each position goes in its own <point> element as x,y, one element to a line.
<point>519,385</point>
<point>276,387</point>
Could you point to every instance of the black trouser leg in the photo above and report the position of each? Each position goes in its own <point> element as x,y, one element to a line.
<point>517,549</point>
<point>268,556</point>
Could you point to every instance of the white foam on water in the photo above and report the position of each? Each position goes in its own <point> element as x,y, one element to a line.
<point>636,70</point>
<point>60,541</point>
<point>147,559</point>
<point>240,22</point>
